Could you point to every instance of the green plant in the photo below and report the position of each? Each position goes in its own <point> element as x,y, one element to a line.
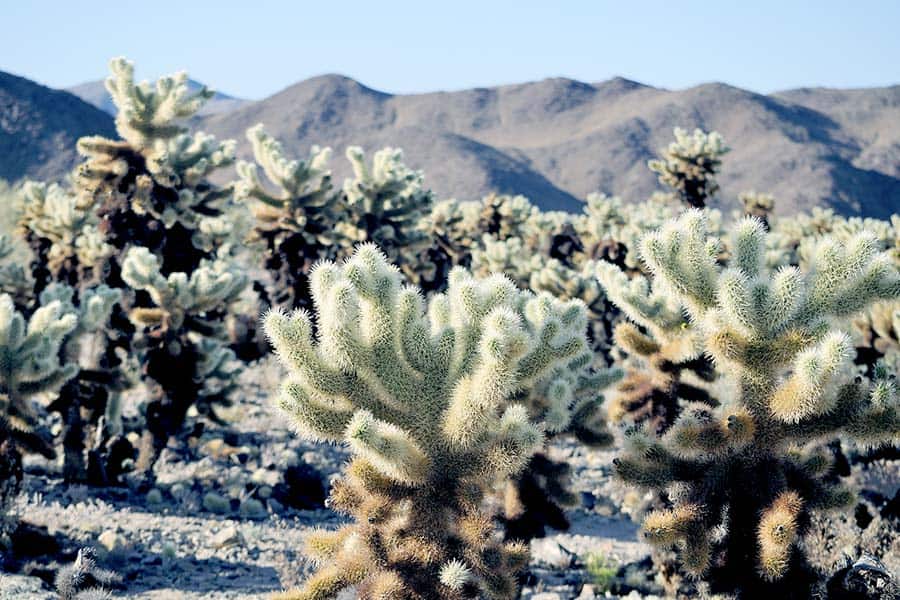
<point>438,404</point>
<point>383,204</point>
<point>602,571</point>
<point>743,469</point>
<point>181,341</point>
<point>30,364</point>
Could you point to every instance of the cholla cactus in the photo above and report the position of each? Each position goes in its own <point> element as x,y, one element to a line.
<point>383,204</point>
<point>84,580</point>
<point>758,204</point>
<point>95,449</point>
<point>296,222</point>
<point>180,337</point>
<point>667,366</point>
<point>877,337</point>
<point>63,236</point>
<point>151,188</point>
<point>437,404</point>
<point>689,166</point>
<point>13,279</point>
<point>741,466</point>
<point>30,364</point>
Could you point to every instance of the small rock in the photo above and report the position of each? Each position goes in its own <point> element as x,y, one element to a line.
<point>216,503</point>
<point>253,509</point>
<point>264,492</point>
<point>111,540</point>
<point>154,496</point>
<point>265,477</point>
<point>228,536</point>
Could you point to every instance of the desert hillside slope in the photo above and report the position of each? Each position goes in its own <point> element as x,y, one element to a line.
<point>555,140</point>
<point>39,127</point>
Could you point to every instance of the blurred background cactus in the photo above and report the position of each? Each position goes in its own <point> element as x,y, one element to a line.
<point>689,165</point>
<point>295,221</point>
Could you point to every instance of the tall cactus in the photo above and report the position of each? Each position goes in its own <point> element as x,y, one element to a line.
<point>666,363</point>
<point>741,467</point>
<point>180,340</point>
<point>62,234</point>
<point>151,188</point>
<point>174,235</point>
<point>437,403</point>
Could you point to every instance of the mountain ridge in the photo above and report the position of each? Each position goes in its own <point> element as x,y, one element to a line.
<point>558,139</point>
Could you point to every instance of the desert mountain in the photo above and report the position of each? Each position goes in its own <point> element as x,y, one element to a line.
<point>39,127</point>
<point>555,140</point>
<point>95,93</point>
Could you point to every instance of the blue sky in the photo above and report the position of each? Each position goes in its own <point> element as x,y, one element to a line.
<point>255,48</point>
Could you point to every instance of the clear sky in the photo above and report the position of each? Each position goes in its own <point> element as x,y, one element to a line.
<point>254,48</point>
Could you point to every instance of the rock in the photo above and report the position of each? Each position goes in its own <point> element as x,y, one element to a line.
<point>588,500</point>
<point>869,578</point>
<point>265,477</point>
<point>214,447</point>
<point>253,509</point>
<point>154,496</point>
<point>587,592</point>
<point>21,586</point>
<point>216,503</point>
<point>229,536</point>
<point>111,540</point>
<point>264,492</point>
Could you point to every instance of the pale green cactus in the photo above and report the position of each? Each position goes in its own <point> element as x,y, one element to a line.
<point>769,331</point>
<point>757,204</point>
<point>179,297</point>
<point>689,165</point>
<point>295,215</point>
<point>62,234</point>
<point>90,403</point>
<point>13,279</point>
<point>158,172</point>
<point>146,114</point>
<point>877,336</point>
<point>180,341</point>
<point>437,403</point>
<point>382,204</point>
<point>30,364</point>
<point>666,366</point>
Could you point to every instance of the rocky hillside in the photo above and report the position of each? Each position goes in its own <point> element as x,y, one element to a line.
<point>557,140</point>
<point>95,93</point>
<point>39,127</point>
